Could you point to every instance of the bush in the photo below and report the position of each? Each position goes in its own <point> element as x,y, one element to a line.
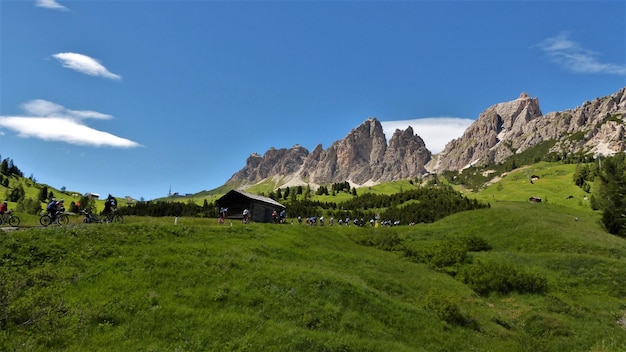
<point>447,254</point>
<point>501,278</point>
<point>29,205</point>
<point>386,242</point>
<point>476,244</point>
<point>445,309</point>
<point>413,255</point>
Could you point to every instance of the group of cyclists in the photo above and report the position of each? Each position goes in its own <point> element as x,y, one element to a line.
<point>55,212</point>
<point>56,209</point>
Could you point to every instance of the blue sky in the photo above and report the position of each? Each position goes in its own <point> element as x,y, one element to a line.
<point>134,97</point>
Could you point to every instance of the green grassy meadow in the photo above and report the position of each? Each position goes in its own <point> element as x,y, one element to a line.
<point>555,185</point>
<point>516,276</point>
<point>152,285</point>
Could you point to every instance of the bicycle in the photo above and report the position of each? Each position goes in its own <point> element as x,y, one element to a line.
<point>90,217</point>
<point>114,217</point>
<point>11,219</point>
<point>60,218</point>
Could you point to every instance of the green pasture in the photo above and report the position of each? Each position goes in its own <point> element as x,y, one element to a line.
<point>189,284</point>
<point>555,185</point>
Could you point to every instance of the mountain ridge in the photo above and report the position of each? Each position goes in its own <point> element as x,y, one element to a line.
<point>364,157</point>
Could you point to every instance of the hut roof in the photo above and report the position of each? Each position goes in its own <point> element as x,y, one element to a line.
<point>236,192</point>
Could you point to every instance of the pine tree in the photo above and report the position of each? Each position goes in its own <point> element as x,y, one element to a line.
<point>612,194</point>
<point>43,194</point>
<point>17,194</point>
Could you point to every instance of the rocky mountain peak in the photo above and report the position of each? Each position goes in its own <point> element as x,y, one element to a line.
<point>512,127</point>
<point>364,157</point>
<point>361,157</point>
<point>499,122</point>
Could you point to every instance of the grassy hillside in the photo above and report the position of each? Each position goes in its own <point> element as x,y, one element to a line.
<point>154,286</point>
<point>555,185</point>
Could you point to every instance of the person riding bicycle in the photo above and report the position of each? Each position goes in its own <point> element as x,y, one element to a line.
<point>60,207</point>
<point>110,204</point>
<point>4,208</point>
<point>51,208</point>
<point>246,215</point>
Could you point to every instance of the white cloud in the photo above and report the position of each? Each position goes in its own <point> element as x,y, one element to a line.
<point>50,4</point>
<point>85,64</point>
<point>40,107</point>
<point>52,122</point>
<point>435,131</point>
<point>569,54</point>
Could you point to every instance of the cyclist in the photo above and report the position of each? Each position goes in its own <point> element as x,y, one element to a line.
<point>51,208</point>
<point>60,206</point>
<point>4,208</point>
<point>223,212</point>
<point>110,204</point>
<point>246,215</point>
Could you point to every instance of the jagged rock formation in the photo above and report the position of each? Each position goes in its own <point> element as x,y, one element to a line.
<point>512,127</point>
<point>500,121</point>
<point>405,157</point>
<point>362,157</point>
<point>273,162</point>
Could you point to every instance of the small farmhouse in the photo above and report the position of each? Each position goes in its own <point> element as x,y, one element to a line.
<point>260,208</point>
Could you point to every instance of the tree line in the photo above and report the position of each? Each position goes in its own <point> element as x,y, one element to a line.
<point>426,204</point>
<point>163,208</point>
<point>609,176</point>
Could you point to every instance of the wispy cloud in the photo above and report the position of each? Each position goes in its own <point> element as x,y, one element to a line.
<point>85,64</point>
<point>53,122</point>
<point>44,108</point>
<point>50,4</point>
<point>572,56</point>
<point>435,131</point>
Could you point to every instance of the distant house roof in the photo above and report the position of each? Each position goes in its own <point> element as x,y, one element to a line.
<point>251,196</point>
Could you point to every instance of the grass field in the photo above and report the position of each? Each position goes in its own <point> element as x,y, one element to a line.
<point>555,185</point>
<point>516,276</point>
<point>151,285</point>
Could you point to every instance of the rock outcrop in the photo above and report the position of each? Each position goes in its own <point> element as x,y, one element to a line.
<point>364,157</point>
<point>478,144</point>
<point>596,127</point>
<point>273,162</point>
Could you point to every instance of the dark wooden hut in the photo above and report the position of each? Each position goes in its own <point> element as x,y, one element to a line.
<point>260,208</point>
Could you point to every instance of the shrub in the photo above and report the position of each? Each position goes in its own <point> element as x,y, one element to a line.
<point>386,242</point>
<point>501,278</point>
<point>389,243</point>
<point>476,244</point>
<point>29,205</point>
<point>413,255</point>
<point>447,254</point>
<point>445,309</point>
